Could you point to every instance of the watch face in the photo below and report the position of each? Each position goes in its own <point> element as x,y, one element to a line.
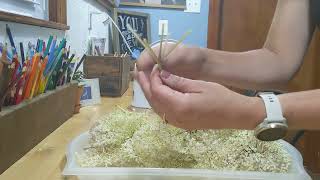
<point>271,132</point>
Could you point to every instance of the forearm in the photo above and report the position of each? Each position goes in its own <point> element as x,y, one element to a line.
<point>257,69</point>
<point>275,63</point>
<point>301,109</point>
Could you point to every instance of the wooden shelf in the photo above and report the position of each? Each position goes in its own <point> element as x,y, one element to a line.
<point>153,5</point>
<point>10,17</point>
<point>109,4</point>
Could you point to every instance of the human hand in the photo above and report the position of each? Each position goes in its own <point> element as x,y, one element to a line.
<point>183,61</point>
<point>192,104</point>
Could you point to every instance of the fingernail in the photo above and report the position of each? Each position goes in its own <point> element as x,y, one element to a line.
<point>155,67</point>
<point>165,74</point>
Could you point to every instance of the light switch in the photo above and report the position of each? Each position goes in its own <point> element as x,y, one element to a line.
<point>193,6</point>
<point>164,24</point>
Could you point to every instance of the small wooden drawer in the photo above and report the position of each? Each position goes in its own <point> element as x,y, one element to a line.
<point>113,73</point>
<point>113,86</point>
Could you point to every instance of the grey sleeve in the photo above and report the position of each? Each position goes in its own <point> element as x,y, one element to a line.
<point>315,12</point>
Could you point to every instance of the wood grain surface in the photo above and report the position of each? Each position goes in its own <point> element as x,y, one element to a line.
<point>47,160</point>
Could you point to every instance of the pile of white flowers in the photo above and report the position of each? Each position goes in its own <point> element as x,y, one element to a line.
<point>129,139</point>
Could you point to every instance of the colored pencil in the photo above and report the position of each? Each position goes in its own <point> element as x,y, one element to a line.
<point>40,76</point>
<point>11,39</point>
<point>40,48</point>
<point>35,69</point>
<point>22,53</point>
<point>48,46</point>
<point>36,77</point>
<point>33,72</point>
<point>37,46</point>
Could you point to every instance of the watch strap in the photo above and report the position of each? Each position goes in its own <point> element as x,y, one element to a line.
<point>273,107</point>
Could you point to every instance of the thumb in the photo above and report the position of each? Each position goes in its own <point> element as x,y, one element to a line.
<point>180,83</point>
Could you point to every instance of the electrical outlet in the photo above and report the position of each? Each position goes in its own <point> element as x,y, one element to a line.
<point>165,25</point>
<point>193,6</point>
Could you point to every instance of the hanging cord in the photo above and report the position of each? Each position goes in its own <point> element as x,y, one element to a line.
<point>124,39</point>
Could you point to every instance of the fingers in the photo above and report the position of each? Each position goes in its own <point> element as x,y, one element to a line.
<point>145,62</point>
<point>175,105</point>
<point>181,84</point>
<point>144,82</point>
<point>163,93</point>
<point>166,101</point>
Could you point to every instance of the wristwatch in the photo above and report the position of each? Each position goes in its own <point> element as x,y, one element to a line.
<point>274,126</point>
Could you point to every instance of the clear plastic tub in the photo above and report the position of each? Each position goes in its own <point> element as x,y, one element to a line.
<point>297,171</point>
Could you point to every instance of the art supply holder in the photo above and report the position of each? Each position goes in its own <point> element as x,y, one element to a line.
<point>23,126</point>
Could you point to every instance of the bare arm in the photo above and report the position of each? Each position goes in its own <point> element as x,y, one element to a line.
<point>274,64</point>
<point>193,104</point>
<point>301,110</point>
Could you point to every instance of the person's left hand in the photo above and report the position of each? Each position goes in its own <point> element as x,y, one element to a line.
<point>192,105</point>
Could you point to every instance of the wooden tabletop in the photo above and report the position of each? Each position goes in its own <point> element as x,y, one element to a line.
<point>47,160</point>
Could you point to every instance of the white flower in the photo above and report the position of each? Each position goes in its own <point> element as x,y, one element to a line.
<point>126,139</point>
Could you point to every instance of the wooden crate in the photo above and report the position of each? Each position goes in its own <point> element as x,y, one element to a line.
<point>113,73</point>
<point>23,126</point>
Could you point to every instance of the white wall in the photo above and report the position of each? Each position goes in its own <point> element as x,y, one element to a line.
<point>26,8</point>
<point>79,22</point>
<point>25,33</point>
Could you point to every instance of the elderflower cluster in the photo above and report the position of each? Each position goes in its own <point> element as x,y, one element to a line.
<point>128,139</point>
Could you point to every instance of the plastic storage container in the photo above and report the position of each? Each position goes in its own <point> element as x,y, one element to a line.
<point>297,171</point>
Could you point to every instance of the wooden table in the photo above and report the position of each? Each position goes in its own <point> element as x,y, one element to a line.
<point>47,160</point>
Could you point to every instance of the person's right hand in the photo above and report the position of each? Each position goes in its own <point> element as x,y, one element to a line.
<point>183,61</point>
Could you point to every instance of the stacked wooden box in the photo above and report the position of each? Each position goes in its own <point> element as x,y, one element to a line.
<point>113,73</point>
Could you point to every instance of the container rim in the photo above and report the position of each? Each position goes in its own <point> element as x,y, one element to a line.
<point>170,172</point>
<point>172,41</point>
